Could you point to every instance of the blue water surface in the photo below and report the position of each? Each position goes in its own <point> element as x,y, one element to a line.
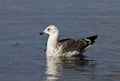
<point>22,50</point>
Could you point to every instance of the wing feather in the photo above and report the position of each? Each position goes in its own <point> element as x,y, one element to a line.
<point>73,45</point>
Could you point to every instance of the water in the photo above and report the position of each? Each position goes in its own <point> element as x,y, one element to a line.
<point>22,50</point>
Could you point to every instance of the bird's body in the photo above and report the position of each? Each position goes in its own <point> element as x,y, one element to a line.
<point>66,47</point>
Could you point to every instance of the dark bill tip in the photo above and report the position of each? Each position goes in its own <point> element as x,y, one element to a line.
<point>41,33</point>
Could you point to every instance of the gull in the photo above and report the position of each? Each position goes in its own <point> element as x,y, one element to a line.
<point>66,47</point>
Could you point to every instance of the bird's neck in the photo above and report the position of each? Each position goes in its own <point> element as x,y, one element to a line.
<point>53,39</point>
<point>52,44</point>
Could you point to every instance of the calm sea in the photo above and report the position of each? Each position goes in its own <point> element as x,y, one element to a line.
<point>22,50</point>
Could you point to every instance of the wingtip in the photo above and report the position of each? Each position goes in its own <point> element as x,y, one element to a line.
<point>95,36</point>
<point>92,38</point>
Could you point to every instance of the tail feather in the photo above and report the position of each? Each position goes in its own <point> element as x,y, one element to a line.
<point>92,39</point>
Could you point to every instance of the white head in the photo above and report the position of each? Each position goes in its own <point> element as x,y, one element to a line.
<point>50,30</point>
<point>53,33</point>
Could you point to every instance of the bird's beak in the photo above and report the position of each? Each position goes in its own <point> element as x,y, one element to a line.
<point>41,33</point>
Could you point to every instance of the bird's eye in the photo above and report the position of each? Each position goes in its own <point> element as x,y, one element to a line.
<point>48,29</point>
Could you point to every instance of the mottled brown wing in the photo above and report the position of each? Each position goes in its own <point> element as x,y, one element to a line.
<point>69,45</point>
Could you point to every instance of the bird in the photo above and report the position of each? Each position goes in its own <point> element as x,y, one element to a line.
<point>66,47</point>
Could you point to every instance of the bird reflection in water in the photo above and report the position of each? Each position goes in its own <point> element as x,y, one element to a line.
<point>55,65</point>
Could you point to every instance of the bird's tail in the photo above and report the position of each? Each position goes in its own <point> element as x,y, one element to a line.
<point>90,40</point>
